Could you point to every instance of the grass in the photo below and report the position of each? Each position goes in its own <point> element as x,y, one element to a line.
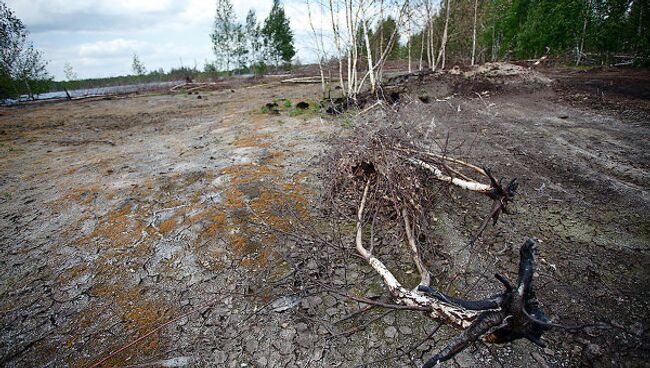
<point>297,112</point>
<point>346,121</point>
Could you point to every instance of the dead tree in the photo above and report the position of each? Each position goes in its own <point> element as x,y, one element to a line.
<point>389,178</point>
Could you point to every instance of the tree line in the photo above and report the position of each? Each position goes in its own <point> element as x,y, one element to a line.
<point>360,36</point>
<point>250,45</point>
<point>365,34</point>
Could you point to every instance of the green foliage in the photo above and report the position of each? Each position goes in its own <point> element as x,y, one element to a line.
<point>137,66</point>
<point>379,41</point>
<point>287,104</point>
<point>530,28</point>
<point>254,42</point>
<point>22,69</point>
<point>278,36</point>
<point>225,34</point>
<point>69,72</point>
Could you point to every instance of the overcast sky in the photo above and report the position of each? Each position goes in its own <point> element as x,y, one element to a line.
<point>98,37</point>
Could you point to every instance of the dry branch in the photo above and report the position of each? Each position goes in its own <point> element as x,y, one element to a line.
<point>392,178</point>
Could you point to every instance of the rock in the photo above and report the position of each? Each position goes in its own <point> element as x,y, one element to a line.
<point>390,332</point>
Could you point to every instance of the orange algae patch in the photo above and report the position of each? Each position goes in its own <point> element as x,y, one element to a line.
<point>253,141</point>
<point>138,314</point>
<point>168,226</point>
<point>82,196</point>
<point>119,227</point>
<point>257,197</point>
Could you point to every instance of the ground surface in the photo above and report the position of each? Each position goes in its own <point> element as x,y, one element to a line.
<point>117,216</point>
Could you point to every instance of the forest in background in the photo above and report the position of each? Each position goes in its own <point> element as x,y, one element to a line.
<point>428,34</point>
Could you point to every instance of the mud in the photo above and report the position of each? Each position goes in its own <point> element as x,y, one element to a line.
<point>118,216</point>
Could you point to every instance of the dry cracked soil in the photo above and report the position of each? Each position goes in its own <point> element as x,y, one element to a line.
<point>137,217</point>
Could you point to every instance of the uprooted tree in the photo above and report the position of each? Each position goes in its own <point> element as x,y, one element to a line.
<point>385,178</point>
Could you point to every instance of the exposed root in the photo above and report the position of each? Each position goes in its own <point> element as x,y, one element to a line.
<point>395,178</point>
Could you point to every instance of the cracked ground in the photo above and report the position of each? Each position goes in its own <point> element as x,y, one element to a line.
<point>117,216</point>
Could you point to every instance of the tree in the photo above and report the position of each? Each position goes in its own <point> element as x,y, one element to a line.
<point>379,41</point>
<point>137,66</point>
<point>22,69</point>
<point>70,74</point>
<point>253,38</point>
<point>278,36</point>
<point>224,34</point>
<point>240,49</point>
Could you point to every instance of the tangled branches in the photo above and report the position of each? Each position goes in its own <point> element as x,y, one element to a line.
<point>388,179</point>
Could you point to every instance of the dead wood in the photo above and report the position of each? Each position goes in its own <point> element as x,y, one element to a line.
<point>392,177</point>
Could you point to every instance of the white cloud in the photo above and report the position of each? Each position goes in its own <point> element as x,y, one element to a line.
<point>113,48</point>
<point>99,37</point>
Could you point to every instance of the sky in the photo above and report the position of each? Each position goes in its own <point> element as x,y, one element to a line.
<point>99,37</point>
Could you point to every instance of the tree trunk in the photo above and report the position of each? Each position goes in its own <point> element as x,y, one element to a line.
<point>584,31</point>
<point>337,42</point>
<point>370,64</point>
<point>474,32</point>
<point>442,54</point>
<point>422,49</point>
<point>408,41</point>
<point>319,50</point>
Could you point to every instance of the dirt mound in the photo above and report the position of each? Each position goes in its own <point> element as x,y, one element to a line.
<point>507,73</point>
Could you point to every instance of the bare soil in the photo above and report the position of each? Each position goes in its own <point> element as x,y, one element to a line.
<point>118,216</point>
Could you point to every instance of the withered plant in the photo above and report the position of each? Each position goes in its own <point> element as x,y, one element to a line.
<point>390,178</point>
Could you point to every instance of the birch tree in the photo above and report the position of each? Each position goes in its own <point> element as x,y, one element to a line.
<point>223,34</point>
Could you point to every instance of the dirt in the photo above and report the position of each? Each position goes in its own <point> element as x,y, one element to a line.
<point>118,216</point>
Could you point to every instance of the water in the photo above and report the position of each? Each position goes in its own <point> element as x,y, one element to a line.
<point>100,91</point>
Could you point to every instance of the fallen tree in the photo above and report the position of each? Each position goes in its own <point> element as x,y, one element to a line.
<point>386,178</point>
